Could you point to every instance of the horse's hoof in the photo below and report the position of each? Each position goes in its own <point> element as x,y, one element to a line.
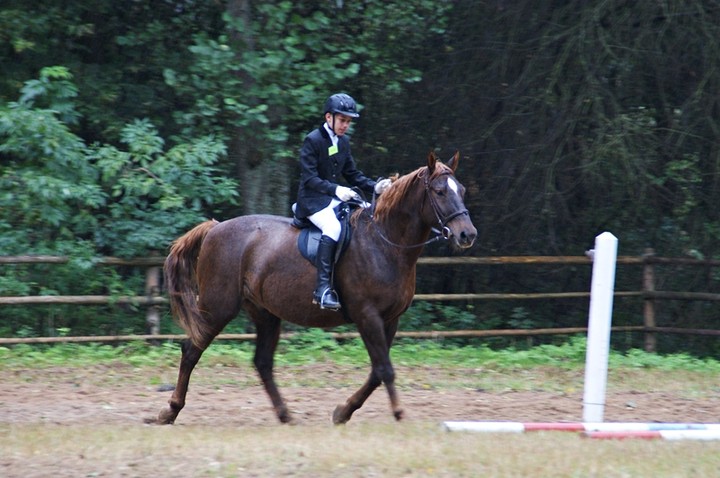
<point>290,421</point>
<point>398,414</point>
<point>166,417</point>
<point>338,417</point>
<point>287,419</point>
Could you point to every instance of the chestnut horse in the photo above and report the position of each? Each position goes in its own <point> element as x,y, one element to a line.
<point>252,262</point>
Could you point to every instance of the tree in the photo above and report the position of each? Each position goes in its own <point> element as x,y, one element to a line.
<point>580,118</point>
<point>262,83</point>
<point>60,196</point>
<point>123,203</point>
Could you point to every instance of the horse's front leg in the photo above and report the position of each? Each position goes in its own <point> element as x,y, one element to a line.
<point>190,357</point>
<point>377,342</point>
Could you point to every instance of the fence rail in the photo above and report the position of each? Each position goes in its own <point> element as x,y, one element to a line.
<point>439,334</point>
<point>153,298</point>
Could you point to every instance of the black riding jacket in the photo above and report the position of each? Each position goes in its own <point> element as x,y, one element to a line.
<point>320,172</point>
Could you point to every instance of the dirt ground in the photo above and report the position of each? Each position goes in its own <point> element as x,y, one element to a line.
<point>91,422</point>
<point>232,396</point>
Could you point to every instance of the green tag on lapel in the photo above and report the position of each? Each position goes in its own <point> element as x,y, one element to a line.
<point>332,150</point>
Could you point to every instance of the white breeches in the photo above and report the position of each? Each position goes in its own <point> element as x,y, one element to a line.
<point>326,221</point>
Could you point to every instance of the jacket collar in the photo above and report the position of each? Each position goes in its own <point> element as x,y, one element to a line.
<point>334,139</point>
<point>327,132</point>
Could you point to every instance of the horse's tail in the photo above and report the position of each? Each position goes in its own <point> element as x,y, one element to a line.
<point>181,281</point>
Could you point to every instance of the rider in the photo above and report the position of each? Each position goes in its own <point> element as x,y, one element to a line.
<point>324,157</point>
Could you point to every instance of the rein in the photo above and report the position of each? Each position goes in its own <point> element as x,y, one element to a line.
<point>442,233</point>
<point>438,235</point>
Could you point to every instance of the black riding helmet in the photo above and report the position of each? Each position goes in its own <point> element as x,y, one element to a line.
<point>343,104</point>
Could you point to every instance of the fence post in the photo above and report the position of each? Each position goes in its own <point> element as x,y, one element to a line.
<point>649,302</point>
<point>152,290</point>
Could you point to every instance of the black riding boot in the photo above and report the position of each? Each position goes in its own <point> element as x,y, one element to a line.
<point>324,293</point>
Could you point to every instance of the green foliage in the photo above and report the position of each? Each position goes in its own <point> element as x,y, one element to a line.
<point>312,347</point>
<point>307,345</point>
<point>636,358</point>
<point>138,354</point>
<point>155,194</point>
<point>120,122</point>
<point>49,191</point>
<point>61,197</point>
<point>521,319</point>
<point>125,203</point>
<point>54,91</point>
<point>424,315</point>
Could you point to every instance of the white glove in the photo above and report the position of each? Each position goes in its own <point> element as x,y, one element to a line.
<point>382,186</point>
<point>345,194</point>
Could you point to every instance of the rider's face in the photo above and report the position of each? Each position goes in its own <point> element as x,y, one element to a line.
<point>342,123</point>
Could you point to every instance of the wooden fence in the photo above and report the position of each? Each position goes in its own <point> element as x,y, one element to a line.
<point>154,300</point>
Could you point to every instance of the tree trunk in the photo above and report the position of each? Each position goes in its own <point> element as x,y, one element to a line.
<point>264,180</point>
<point>239,147</point>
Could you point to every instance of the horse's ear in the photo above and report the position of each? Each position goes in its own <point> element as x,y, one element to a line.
<point>432,159</point>
<point>453,163</point>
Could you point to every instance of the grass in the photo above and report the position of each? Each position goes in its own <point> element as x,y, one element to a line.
<point>317,346</point>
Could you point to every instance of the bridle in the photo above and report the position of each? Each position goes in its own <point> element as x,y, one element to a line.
<point>444,230</point>
<point>442,233</point>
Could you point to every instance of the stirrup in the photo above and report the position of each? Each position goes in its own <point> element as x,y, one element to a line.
<point>323,301</point>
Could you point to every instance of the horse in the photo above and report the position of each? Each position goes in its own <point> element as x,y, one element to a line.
<point>252,263</point>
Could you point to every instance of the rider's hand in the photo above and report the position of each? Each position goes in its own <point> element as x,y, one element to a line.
<point>382,186</point>
<point>345,194</point>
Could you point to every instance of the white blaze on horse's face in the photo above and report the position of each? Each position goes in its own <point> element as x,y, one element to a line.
<point>452,185</point>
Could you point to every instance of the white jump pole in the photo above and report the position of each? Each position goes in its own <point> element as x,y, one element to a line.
<point>599,321</point>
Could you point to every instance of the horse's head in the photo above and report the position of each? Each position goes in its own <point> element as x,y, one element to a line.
<point>444,207</point>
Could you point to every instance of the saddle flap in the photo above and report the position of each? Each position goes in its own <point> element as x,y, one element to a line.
<point>309,237</point>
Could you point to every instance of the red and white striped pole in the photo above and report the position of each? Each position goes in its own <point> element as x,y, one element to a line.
<point>602,430</point>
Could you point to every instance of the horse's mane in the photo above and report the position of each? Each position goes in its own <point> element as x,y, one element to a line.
<point>389,200</point>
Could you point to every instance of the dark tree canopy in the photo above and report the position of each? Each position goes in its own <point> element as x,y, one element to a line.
<point>572,117</point>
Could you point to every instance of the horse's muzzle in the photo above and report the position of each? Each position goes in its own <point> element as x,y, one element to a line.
<point>464,237</point>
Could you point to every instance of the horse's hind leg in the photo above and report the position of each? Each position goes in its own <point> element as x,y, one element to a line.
<point>268,334</point>
<point>190,357</point>
<point>191,354</point>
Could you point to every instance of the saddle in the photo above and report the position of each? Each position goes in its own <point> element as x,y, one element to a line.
<point>310,234</point>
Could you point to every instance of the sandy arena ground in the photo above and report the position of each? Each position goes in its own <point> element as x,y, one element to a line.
<point>232,396</point>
